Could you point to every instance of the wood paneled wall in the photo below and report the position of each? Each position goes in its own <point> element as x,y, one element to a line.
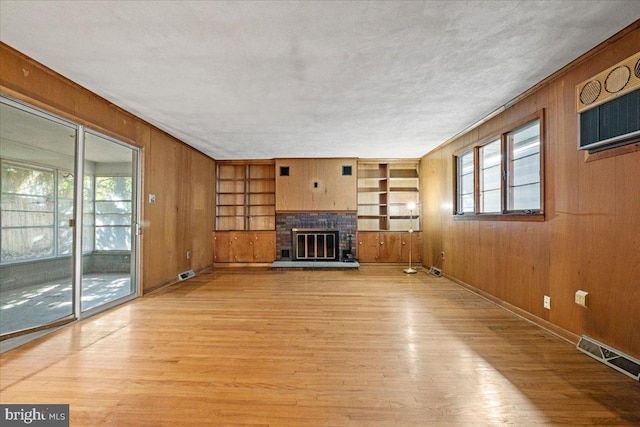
<point>334,192</point>
<point>182,178</point>
<point>590,238</point>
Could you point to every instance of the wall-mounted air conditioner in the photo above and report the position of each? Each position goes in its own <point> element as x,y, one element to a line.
<point>609,107</point>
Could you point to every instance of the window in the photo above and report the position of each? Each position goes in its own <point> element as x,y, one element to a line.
<point>466,188</point>
<point>523,168</point>
<point>490,164</point>
<point>113,213</point>
<point>502,176</point>
<point>35,217</point>
<point>28,214</point>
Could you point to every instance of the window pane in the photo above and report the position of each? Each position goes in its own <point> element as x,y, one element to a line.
<point>112,211</point>
<point>465,183</point>
<point>526,170</point>
<point>113,219</point>
<point>491,201</point>
<point>28,215</point>
<point>526,197</point>
<point>113,207</point>
<point>524,187</point>
<point>26,243</point>
<point>65,240</point>
<point>27,181</point>
<point>24,218</point>
<point>467,203</point>
<point>113,238</point>
<point>113,188</point>
<point>490,161</point>
<point>88,239</point>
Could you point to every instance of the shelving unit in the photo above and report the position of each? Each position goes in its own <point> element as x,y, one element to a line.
<point>245,197</point>
<point>384,190</point>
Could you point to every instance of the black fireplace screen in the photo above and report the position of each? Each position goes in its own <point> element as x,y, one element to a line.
<point>315,244</point>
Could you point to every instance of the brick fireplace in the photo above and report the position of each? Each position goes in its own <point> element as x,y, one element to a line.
<point>344,222</point>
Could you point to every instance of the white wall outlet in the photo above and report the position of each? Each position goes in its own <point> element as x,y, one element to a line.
<point>152,198</point>
<point>188,254</point>
<point>547,302</point>
<point>582,298</point>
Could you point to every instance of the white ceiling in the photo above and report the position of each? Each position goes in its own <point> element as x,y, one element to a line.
<point>265,79</point>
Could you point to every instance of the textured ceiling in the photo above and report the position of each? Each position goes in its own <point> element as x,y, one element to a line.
<point>252,80</point>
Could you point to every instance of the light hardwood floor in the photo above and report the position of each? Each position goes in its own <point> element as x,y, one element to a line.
<point>373,347</point>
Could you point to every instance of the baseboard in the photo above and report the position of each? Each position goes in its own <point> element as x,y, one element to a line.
<point>242,265</point>
<point>556,330</point>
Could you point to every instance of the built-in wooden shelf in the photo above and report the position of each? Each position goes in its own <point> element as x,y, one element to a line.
<point>245,197</point>
<point>384,190</point>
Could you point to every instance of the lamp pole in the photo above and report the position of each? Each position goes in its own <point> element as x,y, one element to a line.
<point>411,206</point>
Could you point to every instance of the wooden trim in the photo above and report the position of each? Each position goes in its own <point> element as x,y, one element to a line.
<point>619,151</point>
<point>314,211</point>
<point>316,158</point>
<point>556,330</point>
<point>510,216</point>
<point>247,162</point>
<point>242,265</point>
<point>387,160</point>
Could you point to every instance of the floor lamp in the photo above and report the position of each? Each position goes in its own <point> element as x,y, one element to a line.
<point>411,206</point>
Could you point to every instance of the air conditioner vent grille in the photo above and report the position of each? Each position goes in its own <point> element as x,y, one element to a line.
<point>616,81</point>
<point>590,92</point>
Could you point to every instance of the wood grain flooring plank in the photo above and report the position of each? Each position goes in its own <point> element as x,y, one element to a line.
<point>315,348</point>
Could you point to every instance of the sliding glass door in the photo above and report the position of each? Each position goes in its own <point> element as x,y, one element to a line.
<point>68,247</point>
<point>37,154</point>
<point>109,221</point>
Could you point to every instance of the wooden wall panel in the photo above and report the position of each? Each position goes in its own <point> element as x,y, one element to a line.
<point>202,209</point>
<point>334,192</point>
<point>590,238</point>
<point>181,178</point>
<point>164,256</point>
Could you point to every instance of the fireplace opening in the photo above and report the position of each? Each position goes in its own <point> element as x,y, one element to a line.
<point>314,244</point>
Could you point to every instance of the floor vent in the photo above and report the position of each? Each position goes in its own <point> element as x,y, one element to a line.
<point>186,275</point>
<point>610,357</point>
<point>435,271</point>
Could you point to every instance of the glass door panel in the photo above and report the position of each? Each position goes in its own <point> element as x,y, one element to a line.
<point>109,216</point>
<point>37,158</point>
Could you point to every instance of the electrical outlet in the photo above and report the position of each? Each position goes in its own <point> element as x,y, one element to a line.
<point>582,298</point>
<point>188,254</point>
<point>152,198</point>
<point>547,302</point>
<point>442,255</point>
